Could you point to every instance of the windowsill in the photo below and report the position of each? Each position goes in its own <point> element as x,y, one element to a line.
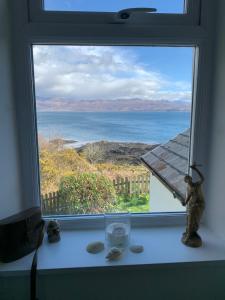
<point>162,246</point>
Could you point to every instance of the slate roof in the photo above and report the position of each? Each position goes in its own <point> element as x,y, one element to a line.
<point>169,162</point>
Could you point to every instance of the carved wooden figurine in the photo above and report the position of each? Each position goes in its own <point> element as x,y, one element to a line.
<point>195,206</point>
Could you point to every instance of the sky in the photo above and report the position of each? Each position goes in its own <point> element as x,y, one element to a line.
<point>113,72</point>
<point>162,6</point>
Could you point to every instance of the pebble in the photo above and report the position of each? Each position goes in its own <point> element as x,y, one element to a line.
<point>95,247</point>
<point>136,248</point>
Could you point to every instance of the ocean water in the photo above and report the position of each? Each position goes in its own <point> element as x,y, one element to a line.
<point>84,127</point>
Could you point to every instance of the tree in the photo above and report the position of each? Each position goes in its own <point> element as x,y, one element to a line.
<point>94,152</point>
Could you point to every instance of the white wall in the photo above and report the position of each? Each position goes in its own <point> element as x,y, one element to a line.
<point>10,198</point>
<point>161,199</point>
<point>215,209</point>
<point>195,281</point>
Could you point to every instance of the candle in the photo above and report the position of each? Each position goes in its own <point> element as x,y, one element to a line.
<point>117,234</point>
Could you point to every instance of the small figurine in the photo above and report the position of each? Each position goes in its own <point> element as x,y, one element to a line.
<point>53,231</point>
<point>195,206</point>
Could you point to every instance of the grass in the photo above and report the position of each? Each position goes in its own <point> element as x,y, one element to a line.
<point>133,203</point>
<point>138,209</point>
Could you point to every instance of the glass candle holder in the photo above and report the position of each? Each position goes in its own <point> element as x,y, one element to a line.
<point>117,230</point>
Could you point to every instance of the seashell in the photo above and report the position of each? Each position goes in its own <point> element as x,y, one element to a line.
<point>114,254</point>
<point>95,247</point>
<point>136,248</point>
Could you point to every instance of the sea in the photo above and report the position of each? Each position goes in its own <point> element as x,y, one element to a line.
<point>86,127</point>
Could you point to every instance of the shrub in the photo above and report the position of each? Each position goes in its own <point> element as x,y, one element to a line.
<point>87,193</point>
<point>94,152</point>
<point>54,164</point>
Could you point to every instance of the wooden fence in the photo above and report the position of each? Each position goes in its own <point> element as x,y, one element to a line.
<point>135,185</point>
<point>53,204</point>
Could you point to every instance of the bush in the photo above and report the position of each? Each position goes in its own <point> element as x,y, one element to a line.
<point>94,152</point>
<point>87,193</point>
<point>55,164</point>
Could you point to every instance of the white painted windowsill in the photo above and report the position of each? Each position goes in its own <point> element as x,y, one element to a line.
<point>162,246</point>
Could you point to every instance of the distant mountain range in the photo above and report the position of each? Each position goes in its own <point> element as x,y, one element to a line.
<point>111,105</point>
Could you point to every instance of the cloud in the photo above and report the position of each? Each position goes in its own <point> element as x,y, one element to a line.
<point>100,73</point>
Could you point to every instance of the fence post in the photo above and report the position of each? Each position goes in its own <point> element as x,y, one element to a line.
<point>140,184</point>
<point>47,203</point>
<point>118,185</point>
<point>131,186</point>
<point>114,184</point>
<point>127,186</point>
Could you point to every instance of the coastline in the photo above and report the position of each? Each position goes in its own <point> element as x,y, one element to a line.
<point>117,152</point>
<point>107,151</point>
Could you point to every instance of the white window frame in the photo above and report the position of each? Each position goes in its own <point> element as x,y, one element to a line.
<point>191,15</point>
<point>45,28</point>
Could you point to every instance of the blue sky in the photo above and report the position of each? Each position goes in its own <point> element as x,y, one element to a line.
<point>124,72</point>
<point>112,72</point>
<point>162,6</point>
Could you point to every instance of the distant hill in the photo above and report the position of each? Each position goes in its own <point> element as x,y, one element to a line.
<point>111,105</point>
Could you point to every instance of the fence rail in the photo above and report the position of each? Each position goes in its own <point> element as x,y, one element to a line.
<point>52,203</point>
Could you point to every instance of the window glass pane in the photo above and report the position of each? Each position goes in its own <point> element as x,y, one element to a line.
<point>109,117</point>
<point>162,6</point>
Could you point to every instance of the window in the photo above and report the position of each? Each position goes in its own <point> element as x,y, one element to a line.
<point>116,12</point>
<point>44,28</point>
<point>162,6</point>
<point>101,112</point>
